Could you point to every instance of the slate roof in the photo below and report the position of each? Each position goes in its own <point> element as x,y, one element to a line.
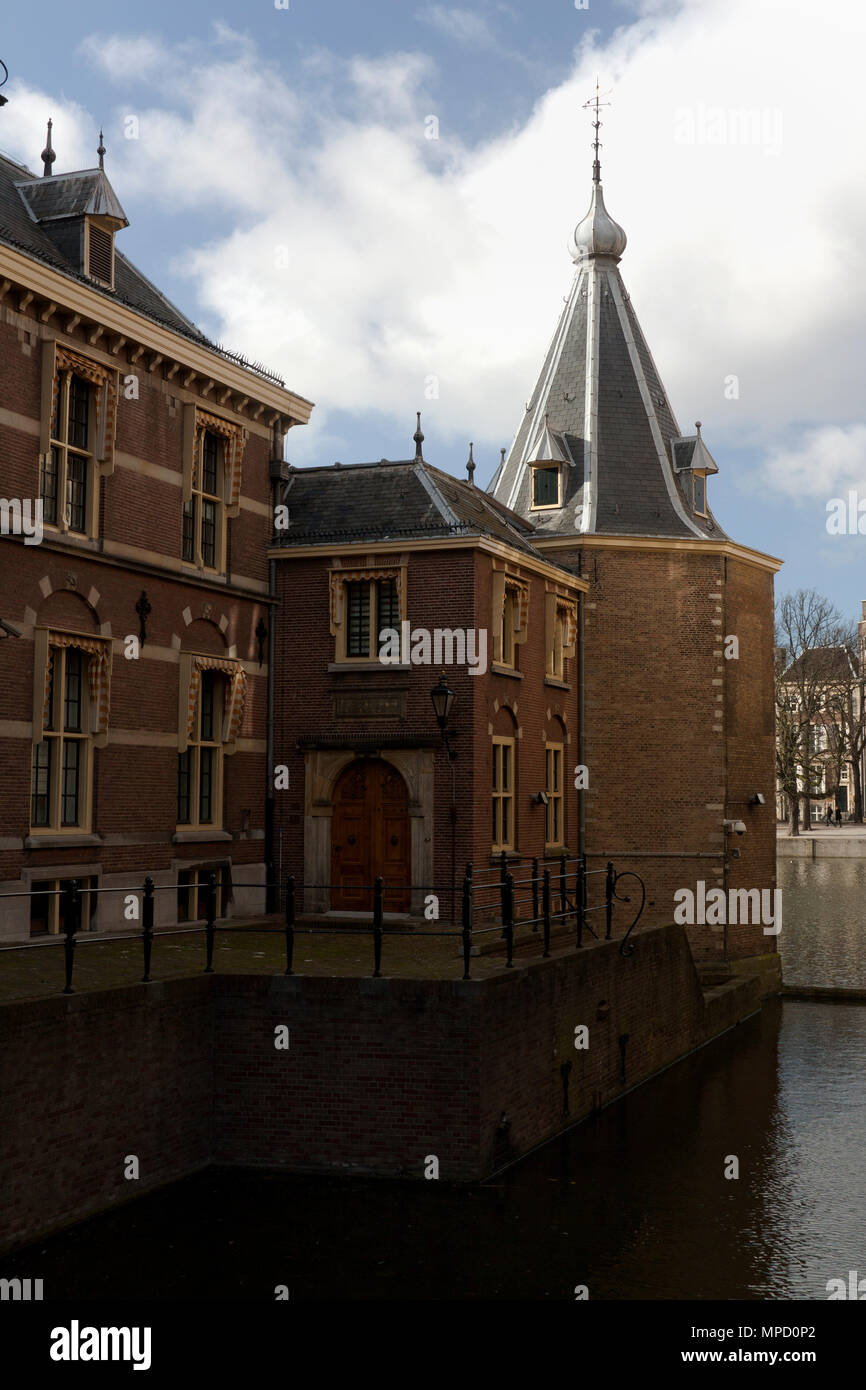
<point>820,665</point>
<point>392,500</point>
<point>601,395</point>
<point>20,230</point>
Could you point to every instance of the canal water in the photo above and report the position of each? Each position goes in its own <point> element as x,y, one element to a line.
<point>632,1204</point>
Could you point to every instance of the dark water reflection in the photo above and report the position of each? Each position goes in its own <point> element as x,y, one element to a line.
<point>633,1204</point>
<point>823,937</point>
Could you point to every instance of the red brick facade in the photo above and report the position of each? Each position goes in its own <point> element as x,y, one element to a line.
<point>89,586</point>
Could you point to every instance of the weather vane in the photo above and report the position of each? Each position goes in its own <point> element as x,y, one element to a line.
<point>595,103</point>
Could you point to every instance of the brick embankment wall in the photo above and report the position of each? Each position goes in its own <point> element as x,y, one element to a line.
<point>379,1076</point>
<point>90,1079</point>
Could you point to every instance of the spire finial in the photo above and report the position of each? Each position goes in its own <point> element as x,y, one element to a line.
<point>419,439</point>
<point>470,465</point>
<point>47,156</point>
<point>596,104</point>
<point>101,151</point>
<point>502,458</point>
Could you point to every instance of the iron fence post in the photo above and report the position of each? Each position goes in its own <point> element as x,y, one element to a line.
<point>72,908</point>
<point>210,918</point>
<point>563,887</point>
<point>579,897</point>
<point>535,895</point>
<point>608,900</point>
<point>290,923</point>
<point>508,917</point>
<point>467,920</point>
<point>545,907</point>
<point>377,928</point>
<point>147,927</point>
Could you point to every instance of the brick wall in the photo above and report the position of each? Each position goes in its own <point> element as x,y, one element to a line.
<point>379,1074</point>
<point>80,584</point>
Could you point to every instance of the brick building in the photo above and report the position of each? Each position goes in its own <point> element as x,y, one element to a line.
<point>678,726</point>
<point>404,548</point>
<point>138,467</point>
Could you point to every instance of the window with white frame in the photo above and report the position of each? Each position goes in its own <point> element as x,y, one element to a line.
<point>554,829</point>
<point>503,794</point>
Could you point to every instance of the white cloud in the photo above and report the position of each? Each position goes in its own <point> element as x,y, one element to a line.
<point>826,463</point>
<point>410,257</point>
<point>466,26</point>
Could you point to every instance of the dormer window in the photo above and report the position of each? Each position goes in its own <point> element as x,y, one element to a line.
<point>546,459</point>
<point>99,253</point>
<point>545,487</point>
<point>699,493</point>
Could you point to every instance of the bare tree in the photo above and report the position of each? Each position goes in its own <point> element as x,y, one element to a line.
<point>845,707</point>
<point>809,635</point>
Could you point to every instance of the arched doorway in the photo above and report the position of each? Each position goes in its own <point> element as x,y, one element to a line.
<point>370,836</point>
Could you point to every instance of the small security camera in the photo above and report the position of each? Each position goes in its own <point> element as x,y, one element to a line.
<point>739,827</point>
<point>758,799</point>
<point>9,628</point>
<point>541,799</point>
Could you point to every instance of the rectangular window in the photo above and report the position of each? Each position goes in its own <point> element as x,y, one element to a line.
<point>62,764</point>
<point>554,830</point>
<point>199,768</point>
<point>370,606</point>
<point>204,513</point>
<point>48,905</point>
<point>699,493</point>
<point>192,885</point>
<point>503,793</point>
<point>545,487</point>
<point>66,474</point>
<point>506,645</point>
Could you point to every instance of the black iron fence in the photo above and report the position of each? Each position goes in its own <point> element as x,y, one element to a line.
<point>514,894</point>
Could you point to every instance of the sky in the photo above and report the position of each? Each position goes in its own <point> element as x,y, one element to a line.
<point>374,200</point>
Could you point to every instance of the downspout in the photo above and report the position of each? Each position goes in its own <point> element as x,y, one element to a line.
<point>272,894</point>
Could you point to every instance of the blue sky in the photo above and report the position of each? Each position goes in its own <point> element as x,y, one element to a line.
<point>282,188</point>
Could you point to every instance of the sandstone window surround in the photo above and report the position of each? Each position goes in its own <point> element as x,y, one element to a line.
<point>381,598</point>
<point>212,480</point>
<point>510,618</point>
<point>71,697</point>
<point>554,824</point>
<point>502,795</point>
<point>192,664</point>
<point>560,625</point>
<point>57,448</point>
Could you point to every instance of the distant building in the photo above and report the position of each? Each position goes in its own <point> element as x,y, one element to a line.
<point>133,644</point>
<point>826,681</point>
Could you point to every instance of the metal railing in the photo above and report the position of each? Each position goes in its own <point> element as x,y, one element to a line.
<point>482,893</point>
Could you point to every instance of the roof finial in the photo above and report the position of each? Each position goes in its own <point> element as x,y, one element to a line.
<point>698,427</point>
<point>501,458</point>
<point>419,439</point>
<point>596,103</point>
<point>47,156</point>
<point>101,151</point>
<point>470,465</point>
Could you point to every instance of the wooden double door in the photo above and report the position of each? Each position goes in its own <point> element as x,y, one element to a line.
<point>370,837</point>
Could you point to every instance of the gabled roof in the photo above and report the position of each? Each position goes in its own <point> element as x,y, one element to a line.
<point>600,395</point>
<point>86,192</point>
<point>821,665</point>
<point>384,501</point>
<point>18,229</point>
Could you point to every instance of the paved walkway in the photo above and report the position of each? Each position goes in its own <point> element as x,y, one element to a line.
<point>32,972</point>
<point>846,831</point>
